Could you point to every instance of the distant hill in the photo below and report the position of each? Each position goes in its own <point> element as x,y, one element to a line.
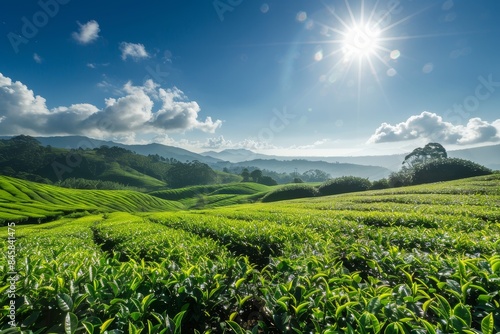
<point>100,165</point>
<point>165,151</point>
<point>278,164</point>
<point>237,155</point>
<point>302,165</point>
<point>488,156</point>
<point>28,159</point>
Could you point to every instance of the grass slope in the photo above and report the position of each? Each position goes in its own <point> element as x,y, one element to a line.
<point>129,177</point>
<point>23,200</point>
<point>215,195</point>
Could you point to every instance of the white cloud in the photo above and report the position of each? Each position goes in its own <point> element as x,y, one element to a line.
<point>37,58</point>
<point>214,143</point>
<point>325,142</point>
<point>133,112</point>
<point>133,50</point>
<point>176,114</point>
<point>431,126</point>
<point>220,143</point>
<point>217,143</point>
<point>87,33</point>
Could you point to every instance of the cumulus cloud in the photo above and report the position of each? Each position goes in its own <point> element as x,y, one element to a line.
<point>214,143</point>
<point>135,51</point>
<point>87,33</point>
<point>432,127</point>
<point>176,113</point>
<point>21,111</point>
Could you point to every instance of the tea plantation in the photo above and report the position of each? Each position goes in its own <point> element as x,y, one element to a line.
<point>421,259</point>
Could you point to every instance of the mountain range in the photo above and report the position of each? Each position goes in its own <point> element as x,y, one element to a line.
<point>488,156</point>
<point>373,167</point>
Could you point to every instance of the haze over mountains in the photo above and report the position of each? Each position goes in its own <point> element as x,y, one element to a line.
<point>488,156</point>
<point>373,167</point>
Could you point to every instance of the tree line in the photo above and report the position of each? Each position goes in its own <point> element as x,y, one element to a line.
<point>26,158</point>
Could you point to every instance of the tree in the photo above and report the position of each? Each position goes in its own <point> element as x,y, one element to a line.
<point>245,174</point>
<point>256,175</point>
<point>315,175</point>
<point>430,152</point>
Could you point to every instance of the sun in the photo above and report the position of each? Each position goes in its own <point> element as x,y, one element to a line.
<point>361,41</point>
<point>360,37</point>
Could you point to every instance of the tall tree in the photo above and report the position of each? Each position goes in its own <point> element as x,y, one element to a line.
<point>245,174</point>
<point>429,152</point>
<point>256,175</point>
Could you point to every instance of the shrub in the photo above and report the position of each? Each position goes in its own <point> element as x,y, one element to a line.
<point>268,181</point>
<point>380,184</point>
<point>344,184</point>
<point>401,179</point>
<point>447,169</point>
<point>79,183</point>
<point>290,192</point>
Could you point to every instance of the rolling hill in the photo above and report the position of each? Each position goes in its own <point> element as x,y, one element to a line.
<point>27,201</point>
<point>165,151</point>
<point>211,196</point>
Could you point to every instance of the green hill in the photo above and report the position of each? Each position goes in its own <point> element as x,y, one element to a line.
<point>215,195</point>
<point>101,167</point>
<point>22,200</point>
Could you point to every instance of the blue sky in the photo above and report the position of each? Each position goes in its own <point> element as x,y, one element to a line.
<point>288,77</point>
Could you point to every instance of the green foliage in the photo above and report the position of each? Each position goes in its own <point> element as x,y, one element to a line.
<point>420,259</point>
<point>402,178</point>
<point>268,181</point>
<point>189,174</point>
<point>256,175</point>
<point>344,184</point>
<point>94,184</point>
<point>215,194</point>
<point>430,152</point>
<point>24,157</point>
<point>447,169</point>
<point>225,177</point>
<point>380,184</point>
<point>291,191</point>
<point>24,201</point>
<point>311,175</point>
<point>245,174</point>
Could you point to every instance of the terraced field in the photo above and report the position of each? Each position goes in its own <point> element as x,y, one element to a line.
<point>421,259</point>
<point>22,200</point>
<point>215,195</point>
